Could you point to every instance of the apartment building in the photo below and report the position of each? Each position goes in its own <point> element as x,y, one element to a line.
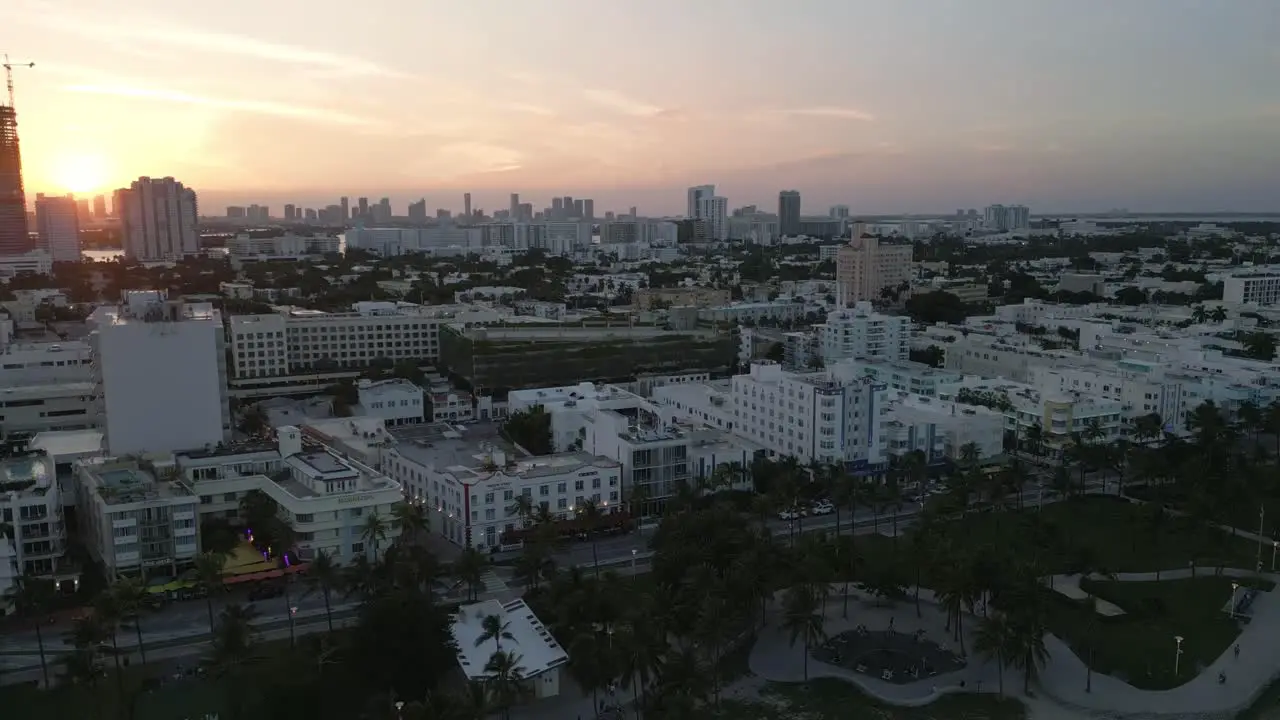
<point>1252,288</point>
<point>325,497</point>
<point>133,522</point>
<point>754,312</point>
<point>31,506</point>
<point>903,375</point>
<point>46,386</point>
<point>1058,415</point>
<point>994,357</point>
<point>395,401</point>
<point>696,296</point>
<point>860,332</point>
<point>244,248</point>
<point>160,369</point>
<point>832,416</point>
<point>470,488</point>
<point>296,340</point>
<point>867,265</point>
<point>940,430</point>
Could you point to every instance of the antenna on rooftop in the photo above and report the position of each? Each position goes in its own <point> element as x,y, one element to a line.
<point>8,74</point>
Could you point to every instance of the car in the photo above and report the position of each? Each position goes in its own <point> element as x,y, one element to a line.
<point>792,514</point>
<point>822,508</point>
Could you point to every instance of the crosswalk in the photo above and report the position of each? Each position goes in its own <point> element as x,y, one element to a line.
<point>496,587</point>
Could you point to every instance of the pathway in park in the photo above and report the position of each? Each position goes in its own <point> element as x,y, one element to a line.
<point>1061,686</point>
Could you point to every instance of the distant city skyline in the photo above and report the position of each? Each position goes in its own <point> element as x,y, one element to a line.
<point>888,107</point>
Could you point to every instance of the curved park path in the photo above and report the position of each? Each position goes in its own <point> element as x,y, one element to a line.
<point>1062,679</point>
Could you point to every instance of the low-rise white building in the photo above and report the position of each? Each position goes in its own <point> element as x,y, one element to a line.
<point>326,498</point>
<point>940,430</point>
<point>470,487</point>
<point>1060,416</point>
<point>860,332</point>
<point>132,522</point>
<point>541,656</point>
<point>395,401</point>
<point>31,504</point>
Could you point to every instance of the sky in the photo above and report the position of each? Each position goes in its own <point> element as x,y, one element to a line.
<point>888,106</point>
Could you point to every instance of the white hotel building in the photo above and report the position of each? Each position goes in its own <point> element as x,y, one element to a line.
<point>860,332</point>
<point>326,498</point>
<point>470,488</point>
<point>298,341</point>
<point>31,504</point>
<point>46,386</point>
<point>160,367</point>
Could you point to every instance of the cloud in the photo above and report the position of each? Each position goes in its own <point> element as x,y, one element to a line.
<point>260,107</point>
<point>614,100</point>
<point>527,108</point>
<point>127,31</point>
<point>832,112</point>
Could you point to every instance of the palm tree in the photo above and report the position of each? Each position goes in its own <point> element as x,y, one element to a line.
<point>470,568</point>
<point>30,597</point>
<point>410,519</point>
<point>131,599</point>
<point>374,532</point>
<point>209,568</point>
<point>505,680</point>
<point>233,648</point>
<point>1029,652</point>
<point>106,609</point>
<point>590,516</point>
<point>522,507</point>
<point>325,577</point>
<point>996,639</point>
<point>493,628</point>
<point>804,621</point>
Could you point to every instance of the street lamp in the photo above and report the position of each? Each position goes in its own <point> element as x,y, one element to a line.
<point>1275,545</point>
<point>633,561</point>
<point>1234,587</point>
<point>399,708</point>
<point>1177,655</point>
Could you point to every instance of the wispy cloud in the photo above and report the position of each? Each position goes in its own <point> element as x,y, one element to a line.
<point>527,108</point>
<point>260,107</point>
<point>618,102</point>
<point>839,113</point>
<point>121,32</point>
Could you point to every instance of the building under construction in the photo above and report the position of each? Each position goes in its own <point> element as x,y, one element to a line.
<point>14,239</point>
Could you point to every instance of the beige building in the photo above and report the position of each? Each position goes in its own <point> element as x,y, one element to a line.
<point>866,265</point>
<point>647,298</point>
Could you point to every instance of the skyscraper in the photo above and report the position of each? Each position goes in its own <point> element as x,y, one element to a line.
<point>789,213</point>
<point>696,194</point>
<point>158,219</point>
<point>289,211</point>
<point>714,211</point>
<point>13,201</point>
<point>58,226</point>
<point>579,209</point>
<point>515,206</point>
<point>363,206</point>
<point>345,204</point>
<point>466,205</point>
<point>100,206</point>
<point>588,209</point>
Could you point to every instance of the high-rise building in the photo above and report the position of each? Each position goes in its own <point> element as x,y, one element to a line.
<point>382,211</point>
<point>100,206</point>
<point>418,211</point>
<point>84,210</point>
<point>789,213</point>
<point>236,212</point>
<point>515,206</point>
<point>362,207</point>
<point>588,209</point>
<point>158,219</point>
<point>714,211</point>
<point>289,212</point>
<point>1006,218</point>
<point>345,205</point>
<point>696,194</point>
<point>866,266</point>
<point>58,225</point>
<point>14,239</point>
<point>579,209</point>
<point>161,370</point>
<point>840,212</point>
<point>466,204</point>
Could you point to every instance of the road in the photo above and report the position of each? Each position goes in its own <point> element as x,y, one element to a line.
<point>182,627</point>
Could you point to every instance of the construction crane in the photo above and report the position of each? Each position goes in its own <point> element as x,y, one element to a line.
<point>8,74</point>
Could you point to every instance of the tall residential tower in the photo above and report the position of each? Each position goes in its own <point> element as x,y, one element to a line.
<point>158,219</point>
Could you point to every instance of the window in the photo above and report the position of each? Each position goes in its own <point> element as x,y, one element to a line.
<point>578,485</point>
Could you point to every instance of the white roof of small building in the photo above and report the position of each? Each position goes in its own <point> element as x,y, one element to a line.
<point>533,643</point>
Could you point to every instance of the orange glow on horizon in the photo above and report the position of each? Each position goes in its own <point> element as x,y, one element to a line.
<point>80,173</point>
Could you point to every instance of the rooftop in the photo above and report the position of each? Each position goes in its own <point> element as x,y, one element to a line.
<point>31,474</point>
<point>120,482</point>
<point>539,651</point>
<point>63,443</point>
<point>393,386</point>
<point>575,333</point>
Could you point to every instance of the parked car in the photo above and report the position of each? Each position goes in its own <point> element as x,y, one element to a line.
<point>823,507</point>
<point>792,514</point>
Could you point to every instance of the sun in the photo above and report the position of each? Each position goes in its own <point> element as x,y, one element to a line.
<point>80,173</point>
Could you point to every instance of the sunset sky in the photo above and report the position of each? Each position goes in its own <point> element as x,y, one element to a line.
<point>888,106</point>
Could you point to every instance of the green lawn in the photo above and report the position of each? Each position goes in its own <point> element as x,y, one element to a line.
<point>832,699</point>
<point>1238,512</point>
<point>1138,647</point>
<point>1119,534</point>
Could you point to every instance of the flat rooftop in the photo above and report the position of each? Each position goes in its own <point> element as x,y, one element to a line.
<point>576,333</point>
<point>123,484</point>
<point>62,443</point>
<point>539,651</point>
<point>34,473</point>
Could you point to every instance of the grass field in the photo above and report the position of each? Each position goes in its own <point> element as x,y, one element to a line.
<point>1138,647</point>
<point>832,699</point>
<point>176,700</point>
<point>1121,536</point>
